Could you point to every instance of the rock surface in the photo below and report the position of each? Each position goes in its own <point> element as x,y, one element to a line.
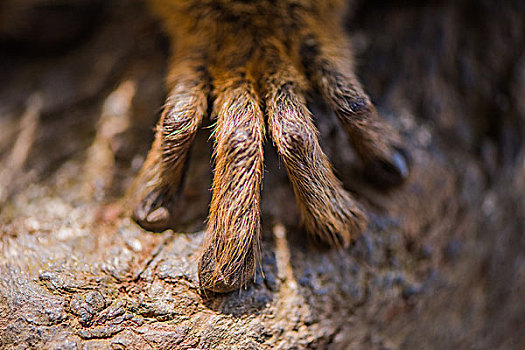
<point>441,265</point>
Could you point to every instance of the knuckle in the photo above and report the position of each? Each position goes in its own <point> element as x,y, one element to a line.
<point>294,135</point>
<point>178,121</point>
<point>238,137</point>
<point>355,107</point>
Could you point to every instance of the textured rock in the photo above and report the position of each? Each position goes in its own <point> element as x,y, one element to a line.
<point>442,264</point>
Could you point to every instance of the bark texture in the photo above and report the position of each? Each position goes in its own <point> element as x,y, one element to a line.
<point>441,265</point>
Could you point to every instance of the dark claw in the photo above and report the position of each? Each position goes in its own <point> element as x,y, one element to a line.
<point>153,212</point>
<point>388,173</point>
<point>400,165</point>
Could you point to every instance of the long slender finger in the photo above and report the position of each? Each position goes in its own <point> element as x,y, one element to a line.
<point>232,242</point>
<point>327,59</point>
<point>328,211</point>
<point>161,175</point>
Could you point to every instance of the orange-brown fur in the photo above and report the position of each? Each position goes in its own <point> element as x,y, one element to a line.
<point>246,56</point>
